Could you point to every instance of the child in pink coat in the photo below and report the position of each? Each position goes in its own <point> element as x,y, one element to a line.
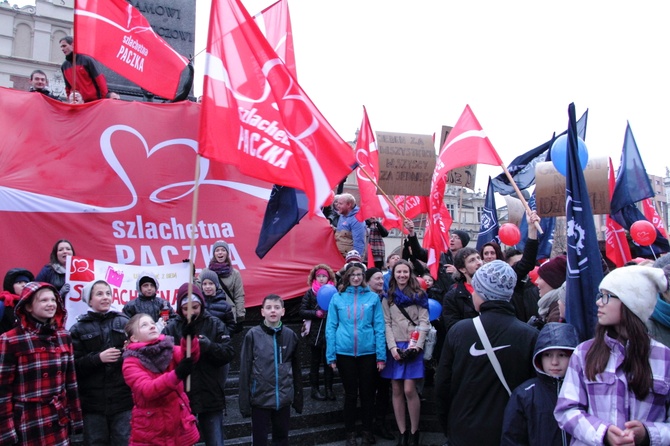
<point>154,369</point>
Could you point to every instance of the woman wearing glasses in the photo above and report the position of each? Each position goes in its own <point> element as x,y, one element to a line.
<point>356,346</point>
<point>617,387</point>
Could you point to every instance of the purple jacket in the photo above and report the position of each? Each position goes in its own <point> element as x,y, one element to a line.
<point>585,409</point>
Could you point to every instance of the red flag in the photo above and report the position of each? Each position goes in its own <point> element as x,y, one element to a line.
<point>616,249</point>
<point>651,214</point>
<point>466,144</point>
<point>275,24</point>
<point>120,37</point>
<point>411,205</point>
<point>256,117</point>
<point>367,157</point>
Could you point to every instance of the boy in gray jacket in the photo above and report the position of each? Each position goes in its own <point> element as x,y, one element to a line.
<point>270,379</point>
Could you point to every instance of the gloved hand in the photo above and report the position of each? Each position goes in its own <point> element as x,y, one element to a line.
<point>184,368</point>
<point>64,290</point>
<point>205,343</point>
<point>320,314</point>
<point>236,328</point>
<point>188,329</point>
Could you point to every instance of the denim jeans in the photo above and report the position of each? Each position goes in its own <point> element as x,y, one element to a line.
<point>107,430</point>
<point>211,428</point>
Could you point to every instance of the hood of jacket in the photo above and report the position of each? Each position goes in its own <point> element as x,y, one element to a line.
<point>554,335</point>
<point>148,274</point>
<point>12,274</point>
<point>58,321</point>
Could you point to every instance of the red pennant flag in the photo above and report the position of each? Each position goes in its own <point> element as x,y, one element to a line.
<point>411,205</point>
<point>616,249</point>
<point>275,24</point>
<point>651,214</point>
<point>120,37</point>
<point>466,144</point>
<point>256,117</point>
<point>367,157</point>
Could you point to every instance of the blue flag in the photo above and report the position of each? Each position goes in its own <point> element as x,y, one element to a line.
<point>285,209</point>
<point>585,267</point>
<point>522,168</point>
<point>633,186</point>
<point>488,230</point>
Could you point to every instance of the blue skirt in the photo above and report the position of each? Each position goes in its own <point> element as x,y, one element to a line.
<point>403,369</point>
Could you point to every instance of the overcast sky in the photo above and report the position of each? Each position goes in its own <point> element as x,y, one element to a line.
<point>415,65</point>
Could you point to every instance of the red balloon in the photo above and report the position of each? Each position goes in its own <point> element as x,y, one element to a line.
<point>509,234</point>
<point>330,199</point>
<point>422,282</point>
<point>643,232</point>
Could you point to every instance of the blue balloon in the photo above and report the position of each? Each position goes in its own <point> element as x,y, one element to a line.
<point>324,295</point>
<point>559,153</point>
<point>434,309</point>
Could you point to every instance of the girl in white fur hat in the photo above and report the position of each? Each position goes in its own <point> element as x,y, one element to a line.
<point>617,387</point>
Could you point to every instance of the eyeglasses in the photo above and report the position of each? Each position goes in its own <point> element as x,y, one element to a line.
<point>605,297</point>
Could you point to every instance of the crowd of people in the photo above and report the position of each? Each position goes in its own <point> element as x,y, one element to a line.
<point>507,368</point>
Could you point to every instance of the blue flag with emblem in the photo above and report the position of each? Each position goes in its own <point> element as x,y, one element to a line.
<point>522,168</point>
<point>488,229</point>
<point>585,267</point>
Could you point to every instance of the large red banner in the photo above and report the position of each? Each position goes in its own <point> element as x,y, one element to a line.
<point>117,179</point>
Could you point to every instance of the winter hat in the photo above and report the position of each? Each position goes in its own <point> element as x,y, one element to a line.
<point>352,256</point>
<point>220,244</point>
<point>637,287</point>
<point>194,297</point>
<point>371,272</point>
<point>22,278</point>
<point>208,274</point>
<point>465,238</point>
<point>495,281</point>
<point>553,272</point>
<point>88,288</point>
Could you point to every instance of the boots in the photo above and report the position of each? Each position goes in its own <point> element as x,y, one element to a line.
<point>403,438</point>
<point>330,395</point>
<point>414,439</point>
<point>368,438</point>
<point>317,395</point>
<point>328,384</point>
<point>351,439</point>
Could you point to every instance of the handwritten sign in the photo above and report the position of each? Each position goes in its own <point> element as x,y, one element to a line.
<point>406,163</point>
<point>550,188</point>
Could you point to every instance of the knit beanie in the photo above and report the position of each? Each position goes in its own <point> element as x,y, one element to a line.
<point>208,274</point>
<point>637,287</point>
<point>465,238</point>
<point>352,256</point>
<point>495,281</point>
<point>371,272</point>
<point>220,244</point>
<point>553,272</point>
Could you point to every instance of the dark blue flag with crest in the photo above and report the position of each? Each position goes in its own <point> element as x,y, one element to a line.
<point>285,209</point>
<point>585,267</point>
<point>522,168</point>
<point>633,186</point>
<point>488,229</point>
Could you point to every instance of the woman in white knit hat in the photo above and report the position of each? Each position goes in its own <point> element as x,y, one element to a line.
<point>617,388</point>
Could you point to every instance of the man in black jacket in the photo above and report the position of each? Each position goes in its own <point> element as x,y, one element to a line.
<point>470,396</point>
<point>207,395</point>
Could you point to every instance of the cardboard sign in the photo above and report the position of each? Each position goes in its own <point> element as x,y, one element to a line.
<point>550,188</point>
<point>463,176</point>
<point>406,163</point>
<point>515,210</point>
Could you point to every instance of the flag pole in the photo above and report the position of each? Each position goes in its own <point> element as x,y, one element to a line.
<point>518,193</point>
<point>383,193</point>
<point>189,305</point>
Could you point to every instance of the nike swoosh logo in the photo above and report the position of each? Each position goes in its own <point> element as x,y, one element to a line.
<point>476,352</point>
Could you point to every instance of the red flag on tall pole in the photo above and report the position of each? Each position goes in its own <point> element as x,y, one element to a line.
<point>367,174</point>
<point>120,37</point>
<point>275,24</point>
<point>616,249</point>
<point>466,144</point>
<point>256,117</point>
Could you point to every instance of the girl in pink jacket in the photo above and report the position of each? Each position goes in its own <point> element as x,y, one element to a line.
<point>154,369</point>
